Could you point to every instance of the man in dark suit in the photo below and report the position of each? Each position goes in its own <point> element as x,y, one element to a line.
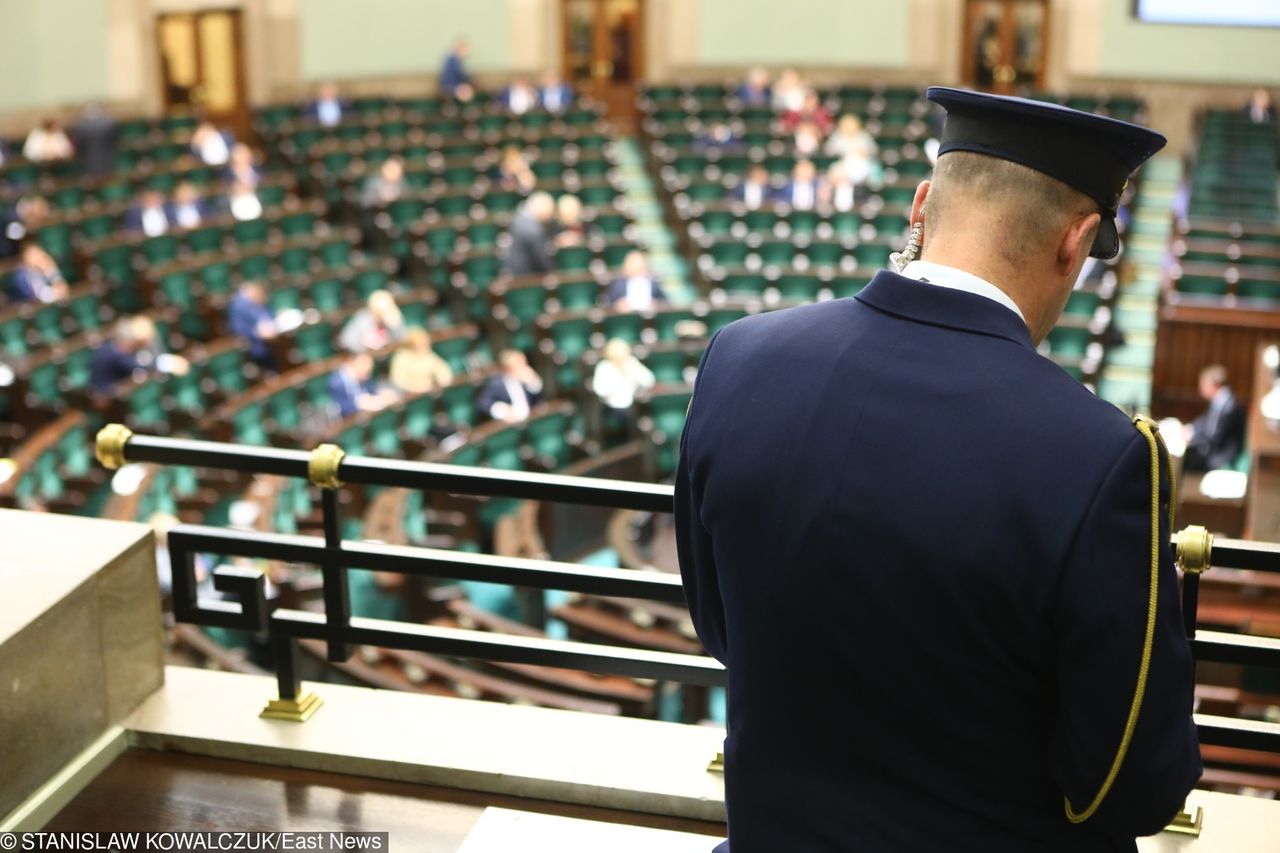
<point>512,392</point>
<point>555,95</point>
<point>328,109</point>
<point>1215,439</point>
<point>755,92</point>
<point>134,347</point>
<point>251,320</point>
<point>149,216</point>
<point>95,140</point>
<point>924,552</point>
<point>520,96</point>
<point>187,209</point>
<point>802,191</point>
<point>756,191</point>
<point>1259,110</point>
<point>37,277</point>
<point>352,389</point>
<point>636,289</point>
<point>455,82</point>
<point>530,251</point>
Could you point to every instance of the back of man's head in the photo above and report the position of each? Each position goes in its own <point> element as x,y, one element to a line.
<point>1212,378</point>
<point>541,206</point>
<point>1014,211</point>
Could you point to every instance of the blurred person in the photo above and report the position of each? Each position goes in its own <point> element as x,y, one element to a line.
<point>243,202</point>
<point>210,145</point>
<point>571,230</point>
<point>1215,439</point>
<point>48,142</point>
<point>353,390</point>
<point>509,394</point>
<point>617,378</point>
<point>838,191</point>
<point>328,109</point>
<point>529,252</point>
<point>556,95</point>
<point>94,136</point>
<point>455,82</point>
<point>148,216</point>
<point>242,166</point>
<point>812,112</point>
<point>251,320</point>
<point>636,289</point>
<point>851,142</point>
<point>27,216</point>
<point>807,139</point>
<point>513,171</point>
<point>801,192</point>
<point>379,324</point>
<point>520,96</point>
<point>755,191</point>
<point>755,91</point>
<point>187,209</point>
<point>133,348</point>
<point>1260,109</point>
<point>718,135</point>
<point>416,368</point>
<point>37,277</point>
<point>789,92</point>
<point>386,185</point>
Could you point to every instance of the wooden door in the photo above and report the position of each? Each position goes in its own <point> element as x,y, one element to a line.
<point>604,52</point>
<point>202,66</point>
<point>1004,44</point>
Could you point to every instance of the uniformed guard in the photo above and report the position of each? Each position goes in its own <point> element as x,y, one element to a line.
<point>932,561</point>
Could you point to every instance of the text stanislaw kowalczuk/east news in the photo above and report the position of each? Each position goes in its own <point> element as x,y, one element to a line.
<point>182,842</point>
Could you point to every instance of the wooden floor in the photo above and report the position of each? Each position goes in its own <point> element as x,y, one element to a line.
<point>162,791</point>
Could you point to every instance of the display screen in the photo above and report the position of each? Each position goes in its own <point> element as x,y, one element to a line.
<point>1229,13</point>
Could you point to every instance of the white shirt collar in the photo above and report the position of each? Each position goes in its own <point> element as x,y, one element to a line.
<point>945,276</point>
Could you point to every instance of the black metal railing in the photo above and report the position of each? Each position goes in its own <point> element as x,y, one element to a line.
<point>328,468</point>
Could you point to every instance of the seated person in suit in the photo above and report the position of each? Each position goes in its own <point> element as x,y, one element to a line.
<point>379,324</point>
<point>386,185</point>
<point>455,82</point>
<point>801,192</point>
<point>755,91</point>
<point>1215,439</point>
<point>636,289</point>
<point>617,378</point>
<point>48,142</point>
<point>556,95</point>
<point>327,109</point>
<point>520,96</point>
<point>135,347</point>
<point>838,191</point>
<point>571,230</point>
<point>852,144</point>
<point>352,389</point>
<point>187,209</point>
<point>416,368</point>
<point>37,277</point>
<point>718,135</point>
<point>27,216</point>
<point>512,392</point>
<point>210,145</point>
<point>148,216</point>
<point>242,166</point>
<point>250,319</point>
<point>1259,109</point>
<point>789,93</point>
<point>528,252</point>
<point>811,111</point>
<point>513,171</point>
<point>243,202</point>
<point>756,191</point>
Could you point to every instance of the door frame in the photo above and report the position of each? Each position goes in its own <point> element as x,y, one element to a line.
<point>238,117</point>
<point>600,47</point>
<point>1007,33</point>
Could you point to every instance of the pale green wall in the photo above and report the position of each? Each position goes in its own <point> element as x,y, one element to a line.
<point>859,33</point>
<point>52,52</point>
<point>1186,53</point>
<point>369,38</point>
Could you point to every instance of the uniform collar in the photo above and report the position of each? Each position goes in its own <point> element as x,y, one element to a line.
<point>958,279</point>
<point>943,306</point>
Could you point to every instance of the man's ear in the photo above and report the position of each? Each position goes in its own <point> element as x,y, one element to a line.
<point>1077,242</point>
<point>917,204</point>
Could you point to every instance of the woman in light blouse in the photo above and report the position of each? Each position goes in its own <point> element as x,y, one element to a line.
<point>415,367</point>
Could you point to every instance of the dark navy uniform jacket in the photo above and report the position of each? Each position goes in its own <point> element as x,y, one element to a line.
<point>923,551</point>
